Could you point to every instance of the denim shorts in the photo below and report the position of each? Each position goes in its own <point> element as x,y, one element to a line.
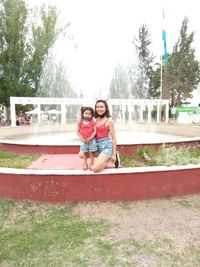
<point>105,146</point>
<point>89,147</point>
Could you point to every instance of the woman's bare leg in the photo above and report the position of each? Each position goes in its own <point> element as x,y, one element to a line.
<point>101,162</point>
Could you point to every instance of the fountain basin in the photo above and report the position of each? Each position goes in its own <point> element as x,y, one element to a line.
<point>109,185</point>
<point>62,139</point>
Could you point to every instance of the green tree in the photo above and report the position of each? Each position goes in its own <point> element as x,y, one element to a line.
<point>183,69</point>
<point>145,61</point>
<point>154,83</point>
<point>25,39</point>
<point>44,33</point>
<point>13,32</point>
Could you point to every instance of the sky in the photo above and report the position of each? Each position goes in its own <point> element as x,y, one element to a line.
<point>103,31</point>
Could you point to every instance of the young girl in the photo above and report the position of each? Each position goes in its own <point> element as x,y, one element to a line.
<point>86,130</point>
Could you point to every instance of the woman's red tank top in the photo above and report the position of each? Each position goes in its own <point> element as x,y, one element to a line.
<point>102,131</point>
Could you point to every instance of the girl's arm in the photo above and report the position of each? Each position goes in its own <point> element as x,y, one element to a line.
<point>78,133</point>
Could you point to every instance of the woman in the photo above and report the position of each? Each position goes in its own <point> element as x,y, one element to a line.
<point>105,137</point>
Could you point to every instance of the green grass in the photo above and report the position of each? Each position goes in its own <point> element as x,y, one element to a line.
<point>36,234</point>
<point>44,235</point>
<point>13,160</point>
<point>165,156</point>
<point>146,156</point>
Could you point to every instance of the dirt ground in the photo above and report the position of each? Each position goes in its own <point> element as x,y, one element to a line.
<point>176,218</point>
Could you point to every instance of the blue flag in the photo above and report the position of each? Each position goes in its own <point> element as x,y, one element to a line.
<point>164,37</point>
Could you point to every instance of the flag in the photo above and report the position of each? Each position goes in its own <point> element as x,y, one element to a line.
<point>164,38</point>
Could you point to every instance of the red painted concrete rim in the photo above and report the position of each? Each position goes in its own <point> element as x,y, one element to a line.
<point>58,186</point>
<point>129,170</point>
<point>75,144</point>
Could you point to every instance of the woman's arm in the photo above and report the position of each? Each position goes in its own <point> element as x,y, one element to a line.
<point>113,137</point>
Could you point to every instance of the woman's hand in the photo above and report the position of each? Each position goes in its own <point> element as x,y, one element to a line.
<point>113,158</point>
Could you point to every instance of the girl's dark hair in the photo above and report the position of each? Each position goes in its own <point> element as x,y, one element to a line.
<point>83,109</point>
<point>107,112</point>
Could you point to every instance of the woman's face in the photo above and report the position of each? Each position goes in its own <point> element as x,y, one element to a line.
<point>100,108</point>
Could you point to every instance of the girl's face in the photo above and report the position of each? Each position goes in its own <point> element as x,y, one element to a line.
<point>87,114</point>
<point>100,108</point>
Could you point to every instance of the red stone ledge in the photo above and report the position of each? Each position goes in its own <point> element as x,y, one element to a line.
<point>126,149</point>
<point>110,185</point>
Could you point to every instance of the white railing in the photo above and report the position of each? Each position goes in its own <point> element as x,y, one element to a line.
<point>126,107</point>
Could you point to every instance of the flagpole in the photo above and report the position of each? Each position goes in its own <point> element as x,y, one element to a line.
<point>161,78</point>
<point>164,39</point>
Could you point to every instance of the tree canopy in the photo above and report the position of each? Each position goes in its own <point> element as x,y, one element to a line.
<point>183,69</point>
<point>24,42</point>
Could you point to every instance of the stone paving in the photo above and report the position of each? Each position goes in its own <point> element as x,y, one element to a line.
<point>59,162</point>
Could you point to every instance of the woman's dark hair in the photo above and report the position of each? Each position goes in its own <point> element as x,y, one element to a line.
<point>107,112</point>
<point>83,109</point>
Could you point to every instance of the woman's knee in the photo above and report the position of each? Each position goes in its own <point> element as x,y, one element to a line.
<point>99,166</point>
<point>96,169</point>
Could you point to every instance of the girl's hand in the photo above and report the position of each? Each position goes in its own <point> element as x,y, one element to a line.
<point>87,140</point>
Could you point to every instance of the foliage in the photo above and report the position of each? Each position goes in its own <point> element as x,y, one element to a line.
<point>144,152</point>
<point>23,46</point>
<point>13,32</point>
<point>172,156</point>
<point>154,83</point>
<point>133,80</point>
<point>44,34</point>
<point>145,61</point>
<point>127,161</point>
<point>142,79</point>
<point>183,69</point>
<point>165,156</point>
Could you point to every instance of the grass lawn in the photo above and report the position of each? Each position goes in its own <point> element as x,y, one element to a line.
<point>100,234</point>
<point>13,160</point>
